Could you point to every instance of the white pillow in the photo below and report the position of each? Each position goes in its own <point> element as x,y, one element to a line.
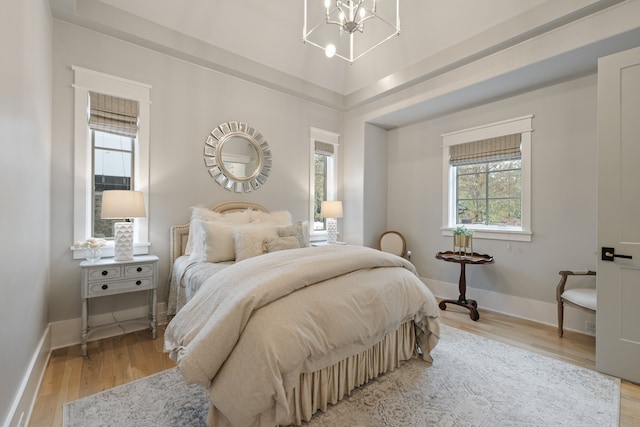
<point>195,244</point>
<point>219,244</point>
<point>202,214</point>
<point>249,238</point>
<point>300,230</point>
<point>275,218</point>
<point>205,214</point>
<point>237,217</point>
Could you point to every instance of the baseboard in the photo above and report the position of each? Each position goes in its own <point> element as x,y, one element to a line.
<point>26,396</point>
<point>67,332</point>
<point>524,308</point>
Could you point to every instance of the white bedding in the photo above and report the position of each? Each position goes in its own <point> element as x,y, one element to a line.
<point>254,327</point>
<point>186,278</point>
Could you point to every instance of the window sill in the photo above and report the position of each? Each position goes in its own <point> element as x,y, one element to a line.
<point>107,251</point>
<point>513,235</point>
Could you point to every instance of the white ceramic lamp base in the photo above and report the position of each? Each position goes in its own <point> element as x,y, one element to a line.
<point>123,244</point>
<point>332,230</point>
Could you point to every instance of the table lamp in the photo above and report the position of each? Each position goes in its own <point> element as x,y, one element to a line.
<point>124,205</point>
<point>331,211</point>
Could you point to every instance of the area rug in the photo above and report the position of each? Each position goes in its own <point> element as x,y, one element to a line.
<point>474,381</point>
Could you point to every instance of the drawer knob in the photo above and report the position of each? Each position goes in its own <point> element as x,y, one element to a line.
<point>138,282</point>
<point>105,272</point>
<point>105,287</point>
<point>139,269</point>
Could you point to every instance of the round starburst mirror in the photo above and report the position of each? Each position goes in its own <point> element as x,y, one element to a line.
<point>237,156</point>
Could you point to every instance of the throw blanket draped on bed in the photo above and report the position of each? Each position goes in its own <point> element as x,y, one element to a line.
<point>360,295</point>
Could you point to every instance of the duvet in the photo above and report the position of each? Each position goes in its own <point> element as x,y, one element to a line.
<point>253,328</point>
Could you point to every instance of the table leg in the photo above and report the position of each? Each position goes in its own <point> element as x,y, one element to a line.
<point>85,327</point>
<point>462,298</point>
<point>154,316</point>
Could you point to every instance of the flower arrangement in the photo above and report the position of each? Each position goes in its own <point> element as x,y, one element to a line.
<point>462,239</point>
<point>92,245</point>
<point>462,231</point>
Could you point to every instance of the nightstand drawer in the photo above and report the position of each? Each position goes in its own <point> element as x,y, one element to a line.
<point>138,270</point>
<point>105,272</point>
<point>108,288</point>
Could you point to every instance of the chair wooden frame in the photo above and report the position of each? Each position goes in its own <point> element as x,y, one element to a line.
<point>561,301</point>
<point>397,235</point>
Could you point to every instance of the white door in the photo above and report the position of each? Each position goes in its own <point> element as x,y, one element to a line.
<point>618,280</point>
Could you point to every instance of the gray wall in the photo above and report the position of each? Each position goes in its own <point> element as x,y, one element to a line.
<point>188,101</point>
<point>25,132</point>
<point>563,191</point>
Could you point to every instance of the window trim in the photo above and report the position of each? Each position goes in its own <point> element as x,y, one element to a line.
<point>521,125</point>
<point>86,80</point>
<point>332,138</point>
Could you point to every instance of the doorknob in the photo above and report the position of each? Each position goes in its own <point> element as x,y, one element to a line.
<point>608,254</point>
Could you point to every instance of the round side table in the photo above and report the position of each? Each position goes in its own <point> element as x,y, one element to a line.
<point>464,259</point>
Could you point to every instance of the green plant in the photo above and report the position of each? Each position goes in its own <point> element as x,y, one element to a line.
<point>462,231</point>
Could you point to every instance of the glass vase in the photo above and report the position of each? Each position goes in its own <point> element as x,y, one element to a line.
<point>93,254</point>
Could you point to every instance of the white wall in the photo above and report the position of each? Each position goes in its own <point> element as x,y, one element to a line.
<point>188,101</point>
<point>563,192</point>
<point>25,132</point>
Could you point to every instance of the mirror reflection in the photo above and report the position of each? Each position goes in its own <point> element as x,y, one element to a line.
<point>237,157</point>
<point>240,158</point>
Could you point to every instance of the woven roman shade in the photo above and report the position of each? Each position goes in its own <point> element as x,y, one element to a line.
<point>114,115</point>
<point>324,148</point>
<point>487,150</point>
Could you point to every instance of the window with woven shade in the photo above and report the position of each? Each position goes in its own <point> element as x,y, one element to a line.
<point>487,179</point>
<point>114,127</point>
<point>324,176</point>
<point>111,151</point>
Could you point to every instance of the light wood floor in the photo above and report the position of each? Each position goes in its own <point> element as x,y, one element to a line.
<point>118,360</point>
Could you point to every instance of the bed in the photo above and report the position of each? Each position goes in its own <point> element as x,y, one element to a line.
<point>277,335</point>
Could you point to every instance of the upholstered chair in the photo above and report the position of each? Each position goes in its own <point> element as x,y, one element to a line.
<point>395,243</point>
<point>583,298</point>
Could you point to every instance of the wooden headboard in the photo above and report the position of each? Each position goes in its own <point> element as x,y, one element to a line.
<point>180,233</point>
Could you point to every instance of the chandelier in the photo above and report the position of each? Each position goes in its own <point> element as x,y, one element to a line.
<point>338,28</point>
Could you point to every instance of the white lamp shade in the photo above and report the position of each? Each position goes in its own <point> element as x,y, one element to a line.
<point>122,204</point>
<point>331,209</point>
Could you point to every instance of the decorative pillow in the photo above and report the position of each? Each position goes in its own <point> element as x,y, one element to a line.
<point>300,230</point>
<point>202,214</point>
<point>237,217</point>
<point>280,244</point>
<point>205,214</point>
<point>248,239</point>
<point>275,218</point>
<point>219,244</point>
<point>195,243</point>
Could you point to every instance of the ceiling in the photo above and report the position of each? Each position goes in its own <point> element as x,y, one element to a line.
<point>272,35</point>
<point>262,42</point>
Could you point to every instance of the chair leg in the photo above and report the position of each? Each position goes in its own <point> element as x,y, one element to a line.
<point>560,318</point>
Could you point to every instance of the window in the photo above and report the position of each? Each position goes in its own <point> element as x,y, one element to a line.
<point>487,180</point>
<point>112,170</point>
<point>113,123</point>
<point>324,164</point>
<point>111,151</point>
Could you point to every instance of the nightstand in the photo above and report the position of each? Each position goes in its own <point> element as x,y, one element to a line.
<point>109,277</point>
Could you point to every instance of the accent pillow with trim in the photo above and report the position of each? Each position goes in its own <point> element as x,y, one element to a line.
<point>280,244</point>
<point>248,239</point>
<point>299,230</point>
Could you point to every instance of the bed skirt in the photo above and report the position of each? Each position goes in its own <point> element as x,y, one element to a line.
<point>316,390</point>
